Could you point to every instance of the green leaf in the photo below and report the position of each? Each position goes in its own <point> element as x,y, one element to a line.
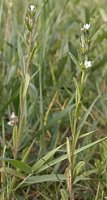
<point>85,176</point>
<point>44,159</point>
<point>100,61</point>
<point>64,194</point>
<point>89,145</point>
<point>44,178</point>
<point>85,116</point>
<point>63,157</point>
<point>26,84</point>
<point>53,162</point>
<point>86,134</point>
<point>27,152</point>
<point>7,170</point>
<point>60,67</point>
<point>78,168</point>
<point>57,117</point>
<point>18,164</point>
<point>10,74</point>
<point>73,58</point>
<point>20,54</point>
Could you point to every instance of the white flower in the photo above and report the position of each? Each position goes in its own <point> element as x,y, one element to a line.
<point>88,64</point>
<point>13,119</point>
<point>10,123</point>
<point>32,7</point>
<point>86,26</point>
<point>13,115</point>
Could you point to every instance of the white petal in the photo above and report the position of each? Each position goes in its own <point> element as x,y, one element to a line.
<point>13,115</point>
<point>32,7</point>
<point>10,123</point>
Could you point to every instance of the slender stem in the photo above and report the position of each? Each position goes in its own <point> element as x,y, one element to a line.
<point>29,51</point>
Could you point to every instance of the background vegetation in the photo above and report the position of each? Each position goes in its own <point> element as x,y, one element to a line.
<point>57,149</point>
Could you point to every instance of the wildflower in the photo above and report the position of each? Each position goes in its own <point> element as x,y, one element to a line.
<point>32,7</point>
<point>13,119</point>
<point>87,64</point>
<point>86,26</point>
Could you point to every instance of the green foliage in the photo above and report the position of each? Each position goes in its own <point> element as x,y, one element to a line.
<point>57,149</point>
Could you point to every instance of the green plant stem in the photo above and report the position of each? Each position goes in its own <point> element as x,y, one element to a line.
<point>29,52</point>
<point>74,128</point>
<point>22,112</point>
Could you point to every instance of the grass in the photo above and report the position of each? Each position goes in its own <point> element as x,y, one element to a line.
<point>56,146</point>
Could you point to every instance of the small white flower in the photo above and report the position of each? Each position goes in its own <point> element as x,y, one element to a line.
<point>86,26</point>
<point>32,7</point>
<point>13,115</point>
<point>88,64</point>
<point>13,120</point>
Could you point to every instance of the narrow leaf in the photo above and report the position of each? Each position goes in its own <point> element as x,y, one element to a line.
<point>45,178</point>
<point>45,158</point>
<point>18,164</point>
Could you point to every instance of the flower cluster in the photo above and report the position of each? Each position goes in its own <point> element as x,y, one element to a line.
<point>30,17</point>
<point>85,42</point>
